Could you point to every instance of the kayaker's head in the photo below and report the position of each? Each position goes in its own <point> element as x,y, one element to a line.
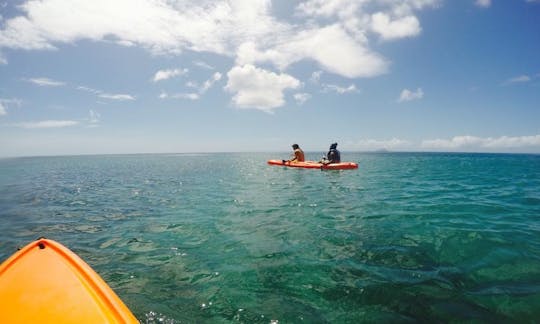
<point>295,146</point>
<point>333,146</point>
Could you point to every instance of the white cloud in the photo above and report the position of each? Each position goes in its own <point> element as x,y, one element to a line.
<point>390,19</point>
<point>219,27</point>
<point>190,96</point>
<point>3,59</point>
<point>48,124</point>
<point>203,65</point>
<point>301,98</point>
<point>160,26</point>
<point>331,47</point>
<point>347,8</point>
<point>408,95</point>
<point>94,117</point>
<point>469,143</point>
<point>341,90</point>
<point>327,8</point>
<point>332,33</point>
<point>483,3</point>
<point>91,90</point>
<point>454,143</point>
<point>192,84</point>
<point>167,74</point>
<point>518,79</point>
<point>105,95</point>
<point>511,142</point>
<point>465,143</point>
<point>119,97</point>
<point>46,82</point>
<point>393,29</point>
<point>377,144</point>
<point>316,76</point>
<point>208,83</point>
<point>257,88</point>
<point>4,103</point>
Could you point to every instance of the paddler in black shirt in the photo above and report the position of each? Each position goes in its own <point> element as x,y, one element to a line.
<point>333,155</point>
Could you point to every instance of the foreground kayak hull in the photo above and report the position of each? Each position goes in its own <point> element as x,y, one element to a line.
<point>45,282</point>
<point>315,165</point>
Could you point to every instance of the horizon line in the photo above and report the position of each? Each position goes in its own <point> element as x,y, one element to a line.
<point>378,151</point>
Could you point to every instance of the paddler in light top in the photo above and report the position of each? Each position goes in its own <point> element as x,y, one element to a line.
<point>298,154</point>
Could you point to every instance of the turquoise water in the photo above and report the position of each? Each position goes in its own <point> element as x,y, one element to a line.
<point>221,238</point>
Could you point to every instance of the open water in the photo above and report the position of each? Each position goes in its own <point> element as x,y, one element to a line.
<point>225,238</point>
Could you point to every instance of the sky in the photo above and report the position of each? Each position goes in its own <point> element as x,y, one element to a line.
<point>175,76</point>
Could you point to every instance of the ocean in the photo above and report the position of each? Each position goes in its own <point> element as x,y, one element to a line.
<point>225,238</point>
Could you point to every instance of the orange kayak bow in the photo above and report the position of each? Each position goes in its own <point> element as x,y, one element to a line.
<point>45,282</point>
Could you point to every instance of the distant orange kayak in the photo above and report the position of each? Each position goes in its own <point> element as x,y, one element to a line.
<point>45,282</point>
<point>315,165</point>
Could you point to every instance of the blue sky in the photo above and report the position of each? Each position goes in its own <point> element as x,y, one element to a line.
<point>143,76</point>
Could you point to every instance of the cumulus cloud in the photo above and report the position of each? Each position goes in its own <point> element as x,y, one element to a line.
<point>389,19</point>
<point>167,74</point>
<point>48,124</point>
<point>2,109</point>
<point>258,88</point>
<point>393,29</point>
<point>333,33</point>
<point>408,95</point>
<point>468,142</point>
<point>160,26</point>
<point>331,47</point>
<point>483,3</point>
<point>46,82</point>
<point>327,8</point>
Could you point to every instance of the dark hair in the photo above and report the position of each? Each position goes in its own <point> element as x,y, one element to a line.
<point>295,146</point>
